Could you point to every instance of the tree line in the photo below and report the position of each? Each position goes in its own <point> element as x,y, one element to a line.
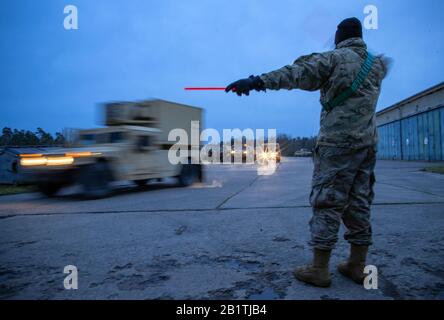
<point>16,137</point>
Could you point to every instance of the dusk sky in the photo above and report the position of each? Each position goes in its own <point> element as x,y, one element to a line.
<point>133,50</point>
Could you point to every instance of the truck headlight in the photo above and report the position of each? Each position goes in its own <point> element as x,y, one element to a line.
<point>263,155</point>
<point>82,154</point>
<point>268,155</point>
<point>29,160</point>
<point>33,161</point>
<point>59,161</point>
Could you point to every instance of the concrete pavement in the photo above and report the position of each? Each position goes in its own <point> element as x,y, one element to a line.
<point>236,236</point>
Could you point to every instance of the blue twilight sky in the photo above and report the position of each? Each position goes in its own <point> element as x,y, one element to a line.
<point>136,49</point>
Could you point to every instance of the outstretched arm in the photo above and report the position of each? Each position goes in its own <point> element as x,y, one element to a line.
<point>308,72</point>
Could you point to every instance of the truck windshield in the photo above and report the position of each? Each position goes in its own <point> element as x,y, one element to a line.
<point>100,138</point>
<point>87,139</point>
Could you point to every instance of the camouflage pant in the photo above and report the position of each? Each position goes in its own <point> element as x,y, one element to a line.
<point>342,188</point>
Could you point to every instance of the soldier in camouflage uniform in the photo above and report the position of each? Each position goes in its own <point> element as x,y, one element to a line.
<point>345,153</point>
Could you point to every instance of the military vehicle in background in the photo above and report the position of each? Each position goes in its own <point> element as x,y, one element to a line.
<point>303,152</point>
<point>237,153</point>
<point>133,146</point>
<point>251,153</point>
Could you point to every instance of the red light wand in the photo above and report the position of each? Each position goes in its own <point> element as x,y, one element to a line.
<point>205,89</point>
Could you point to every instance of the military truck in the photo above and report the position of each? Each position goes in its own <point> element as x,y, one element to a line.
<point>133,146</point>
<point>303,152</point>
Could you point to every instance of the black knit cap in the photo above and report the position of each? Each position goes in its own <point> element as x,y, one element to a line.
<point>348,28</point>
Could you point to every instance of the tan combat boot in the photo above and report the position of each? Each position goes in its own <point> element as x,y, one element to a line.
<point>353,268</point>
<point>317,273</point>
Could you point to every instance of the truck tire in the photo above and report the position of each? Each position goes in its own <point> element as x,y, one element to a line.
<point>95,180</point>
<point>48,189</point>
<point>188,175</point>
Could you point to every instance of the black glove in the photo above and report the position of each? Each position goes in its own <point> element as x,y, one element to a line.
<point>244,86</point>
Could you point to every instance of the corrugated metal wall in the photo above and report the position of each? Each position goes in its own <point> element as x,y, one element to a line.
<point>389,141</point>
<point>419,137</point>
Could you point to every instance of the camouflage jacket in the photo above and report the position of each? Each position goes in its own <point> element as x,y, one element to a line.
<point>351,124</point>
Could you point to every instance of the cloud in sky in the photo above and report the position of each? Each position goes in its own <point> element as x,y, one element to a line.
<point>130,50</point>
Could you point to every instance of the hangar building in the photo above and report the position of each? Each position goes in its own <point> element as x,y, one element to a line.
<point>413,129</point>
